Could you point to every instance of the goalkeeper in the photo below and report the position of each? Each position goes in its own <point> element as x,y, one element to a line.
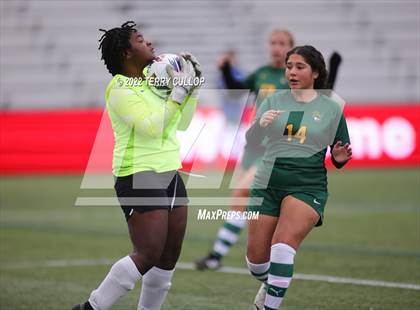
<point>146,158</point>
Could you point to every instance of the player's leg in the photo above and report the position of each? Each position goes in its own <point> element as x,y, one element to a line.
<point>260,233</point>
<point>297,218</point>
<point>157,281</point>
<point>228,234</point>
<point>147,226</point>
<point>148,232</point>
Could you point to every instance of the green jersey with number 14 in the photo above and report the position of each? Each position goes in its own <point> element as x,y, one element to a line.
<point>297,141</point>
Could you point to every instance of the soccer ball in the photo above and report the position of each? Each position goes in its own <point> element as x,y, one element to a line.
<point>158,78</point>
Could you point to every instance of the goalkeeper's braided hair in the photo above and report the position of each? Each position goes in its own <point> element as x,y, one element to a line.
<point>315,59</point>
<point>114,44</point>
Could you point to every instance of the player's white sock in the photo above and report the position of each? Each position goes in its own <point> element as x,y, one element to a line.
<point>121,278</point>
<point>280,274</point>
<point>259,271</point>
<point>227,236</point>
<point>154,288</point>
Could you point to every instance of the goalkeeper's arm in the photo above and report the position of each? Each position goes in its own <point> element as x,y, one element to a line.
<point>188,107</point>
<point>187,112</point>
<point>134,111</point>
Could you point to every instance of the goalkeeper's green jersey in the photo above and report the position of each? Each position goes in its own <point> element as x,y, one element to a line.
<point>297,141</point>
<point>145,126</point>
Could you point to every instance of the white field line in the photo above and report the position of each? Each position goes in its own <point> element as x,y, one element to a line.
<point>232,270</point>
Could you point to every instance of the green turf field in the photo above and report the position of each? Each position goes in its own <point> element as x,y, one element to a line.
<point>50,251</point>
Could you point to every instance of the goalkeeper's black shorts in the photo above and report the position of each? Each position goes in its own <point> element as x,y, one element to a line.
<point>147,190</point>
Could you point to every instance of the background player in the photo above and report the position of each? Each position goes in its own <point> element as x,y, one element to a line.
<point>293,187</point>
<point>262,82</point>
<point>145,164</point>
<point>232,109</point>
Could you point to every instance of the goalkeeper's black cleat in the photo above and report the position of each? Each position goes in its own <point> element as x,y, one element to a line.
<point>209,262</point>
<point>85,306</point>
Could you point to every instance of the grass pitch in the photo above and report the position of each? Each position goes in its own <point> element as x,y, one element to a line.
<point>51,252</point>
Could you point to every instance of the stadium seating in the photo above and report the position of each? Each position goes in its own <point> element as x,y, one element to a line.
<point>49,56</point>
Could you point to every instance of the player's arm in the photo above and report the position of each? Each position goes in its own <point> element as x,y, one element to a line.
<point>134,111</point>
<point>256,133</point>
<point>263,118</point>
<point>341,151</point>
<point>230,81</point>
<point>187,112</point>
<point>190,105</point>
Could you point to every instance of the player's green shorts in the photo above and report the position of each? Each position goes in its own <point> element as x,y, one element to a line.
<point>272,199</point>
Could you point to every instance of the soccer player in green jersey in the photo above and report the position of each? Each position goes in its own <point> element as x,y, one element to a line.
<point>262,82</point>
<point>151,193</point>
<point>291,180</point>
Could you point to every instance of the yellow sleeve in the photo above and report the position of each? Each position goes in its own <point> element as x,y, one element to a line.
<point>187,111</point>
<point>136,112</point>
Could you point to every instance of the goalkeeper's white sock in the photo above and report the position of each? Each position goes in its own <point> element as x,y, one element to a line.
<point>154,288</point>
<point>280,274</point>
<point>121,278</point>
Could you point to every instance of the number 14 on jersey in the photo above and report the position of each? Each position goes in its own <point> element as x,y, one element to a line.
<point>300,134</point>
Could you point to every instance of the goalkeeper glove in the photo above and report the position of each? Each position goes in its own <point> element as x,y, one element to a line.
<point>181,81</point>
<point>190,57</point>
<point>197,69</point>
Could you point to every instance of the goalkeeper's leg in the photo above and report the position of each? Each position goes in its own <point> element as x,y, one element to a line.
<point>148,231</point>
<point>157,281</point>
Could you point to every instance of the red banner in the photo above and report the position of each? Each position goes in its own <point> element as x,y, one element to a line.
<point>64,141</point>
<point>384,136</point>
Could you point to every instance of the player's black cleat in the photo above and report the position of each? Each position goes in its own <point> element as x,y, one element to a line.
<point>85,306</point>
<point>209,262</point>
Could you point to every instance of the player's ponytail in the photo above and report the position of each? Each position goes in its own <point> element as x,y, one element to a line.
<point>315,59</point>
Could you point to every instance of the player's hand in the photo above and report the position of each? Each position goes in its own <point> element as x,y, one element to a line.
<point>197,69</point>
<point>268,117</point>
<point>191,58</point>
<point>181,82</point>
<point>341,153</point>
